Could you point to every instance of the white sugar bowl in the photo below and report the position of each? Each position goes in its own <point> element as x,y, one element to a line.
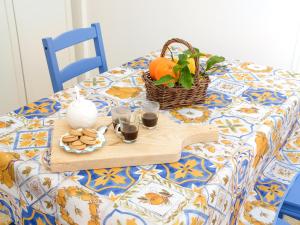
<point>82,113</point>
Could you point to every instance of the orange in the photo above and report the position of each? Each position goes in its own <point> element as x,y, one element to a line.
<point>160,67</point>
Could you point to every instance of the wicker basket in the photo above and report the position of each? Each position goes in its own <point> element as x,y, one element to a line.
<point>177,96</point>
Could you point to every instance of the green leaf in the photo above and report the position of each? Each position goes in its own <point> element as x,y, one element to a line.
<point>182,59</point>
<point>164,80</point>
<point>196,54</point>
<point>178,68</point>
<point>213,60</point>
<point>187,52</point>
<point>171,84</point>
<point>186,79</point>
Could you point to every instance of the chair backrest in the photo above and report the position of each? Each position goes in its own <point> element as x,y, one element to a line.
<point>67,39</point>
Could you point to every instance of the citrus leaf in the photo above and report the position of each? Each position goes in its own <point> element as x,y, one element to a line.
<point>171,84</point>
<point>176,68</point>
<point>193,55</point>
<point>182,59</point>
<point>164,80</point>
<point>186,79</point>
<point>214,60</point>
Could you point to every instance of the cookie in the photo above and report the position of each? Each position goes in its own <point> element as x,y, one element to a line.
<point>75,132</point>
<point>88,140</point>
<point>90,132</point>
<point>77,145</point>
<point>69,138</point>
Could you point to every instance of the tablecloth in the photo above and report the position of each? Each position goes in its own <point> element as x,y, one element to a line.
<point>239,179</point>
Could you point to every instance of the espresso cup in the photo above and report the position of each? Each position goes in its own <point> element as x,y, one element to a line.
<point>149,115</point>
<point>120,112</point>
<point>128,130</point>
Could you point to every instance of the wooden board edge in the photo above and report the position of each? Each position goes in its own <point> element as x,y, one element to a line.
<point>208,133</point>
<point>70,167</point>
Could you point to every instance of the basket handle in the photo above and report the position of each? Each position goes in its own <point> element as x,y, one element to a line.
<point>189,46</point>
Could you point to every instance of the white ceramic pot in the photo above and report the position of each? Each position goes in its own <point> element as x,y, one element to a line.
<point>82,113</point>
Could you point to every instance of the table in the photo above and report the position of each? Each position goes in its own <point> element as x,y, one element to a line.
<point>242,177</point>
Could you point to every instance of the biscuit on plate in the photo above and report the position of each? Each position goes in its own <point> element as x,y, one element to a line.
<point>76,132</point>
<point>77,145</point>
<point>69,138</point>
<point>90,132</point>
<point>88,140</point>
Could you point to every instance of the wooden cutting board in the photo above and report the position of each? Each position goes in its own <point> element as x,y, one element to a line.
<point>160,145</point>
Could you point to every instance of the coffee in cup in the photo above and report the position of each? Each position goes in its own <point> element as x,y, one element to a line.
<point>149,114</point>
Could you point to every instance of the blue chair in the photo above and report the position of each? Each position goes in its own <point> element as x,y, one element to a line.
<point>291,204</point>
<point>65,40</point>
<point>281,222</point>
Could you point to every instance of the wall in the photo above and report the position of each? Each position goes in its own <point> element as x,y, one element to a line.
<point>261,31</point>
<point>12,90</point>
<point>23,69</point>
<point>34,21</point>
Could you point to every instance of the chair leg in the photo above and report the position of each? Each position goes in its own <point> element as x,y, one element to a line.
<point>280,215</point>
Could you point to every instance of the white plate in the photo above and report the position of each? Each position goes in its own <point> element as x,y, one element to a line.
<point>100,140</point>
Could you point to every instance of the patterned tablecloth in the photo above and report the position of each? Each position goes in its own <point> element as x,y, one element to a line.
<point>240,178</point>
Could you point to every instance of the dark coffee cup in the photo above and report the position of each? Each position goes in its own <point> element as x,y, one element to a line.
<point>130,133</point>
<point>128,129</point>
<point>149,119</point>
<point>150,110</point>
<point>120,112</point>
